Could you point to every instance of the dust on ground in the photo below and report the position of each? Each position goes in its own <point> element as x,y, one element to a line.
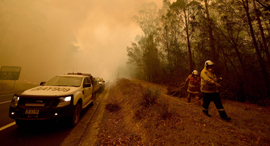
<point>172,121</point>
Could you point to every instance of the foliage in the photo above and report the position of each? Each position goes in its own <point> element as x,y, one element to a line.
<point>150,96</point>
<point>184,125</point>
<point>167,112</point>
<point>112,107</point>
<point>177,39</point>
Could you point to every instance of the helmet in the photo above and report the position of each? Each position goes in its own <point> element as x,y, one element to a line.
<point>208,62</point>
<point>195,72</point>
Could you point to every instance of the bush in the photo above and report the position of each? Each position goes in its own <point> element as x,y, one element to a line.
<point>150,96</point>
<point>112,107</point>
<point>166,112</point>
<point>140,114</point>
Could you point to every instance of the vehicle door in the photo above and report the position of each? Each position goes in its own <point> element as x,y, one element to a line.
<point>87,90</point>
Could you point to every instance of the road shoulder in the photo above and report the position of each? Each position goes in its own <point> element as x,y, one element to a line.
<point>89,136</point>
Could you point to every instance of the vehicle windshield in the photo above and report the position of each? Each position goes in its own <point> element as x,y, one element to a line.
<point>64,81</point>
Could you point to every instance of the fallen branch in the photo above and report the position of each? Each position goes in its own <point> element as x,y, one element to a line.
<point>174,91</point>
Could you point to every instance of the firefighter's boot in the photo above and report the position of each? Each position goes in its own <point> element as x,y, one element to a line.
<point>224,116</point>
<point>206,113</point>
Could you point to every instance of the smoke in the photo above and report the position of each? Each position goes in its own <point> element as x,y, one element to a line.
<point>50,37</point>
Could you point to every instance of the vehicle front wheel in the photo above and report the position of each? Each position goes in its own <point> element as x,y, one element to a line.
<point>76,115</point>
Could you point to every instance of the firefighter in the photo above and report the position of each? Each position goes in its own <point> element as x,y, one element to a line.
<point>209,88</point>
<point>193,81</point>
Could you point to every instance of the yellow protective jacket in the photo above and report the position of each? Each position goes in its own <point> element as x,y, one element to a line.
<point>193,84</point>
<point>208,81</point>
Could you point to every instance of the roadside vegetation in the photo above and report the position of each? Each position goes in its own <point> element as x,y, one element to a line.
<point>181,35</point>
<point>150,96</point>
<point>172,121</point>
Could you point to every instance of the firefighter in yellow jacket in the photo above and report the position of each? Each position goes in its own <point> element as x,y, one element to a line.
<point>193,81</point>
<point>209,88</point>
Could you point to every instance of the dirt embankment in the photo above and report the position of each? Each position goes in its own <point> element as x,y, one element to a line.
<point>172,121</point>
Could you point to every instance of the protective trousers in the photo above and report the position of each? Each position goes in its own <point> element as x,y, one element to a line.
<point>215,97</point>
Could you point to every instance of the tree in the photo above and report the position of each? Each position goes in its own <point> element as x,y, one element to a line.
<point>147,17</point>
<point>135,58</point>
<point>185,12</point>
<point>262,32</point>
<point>150,58</point>
<point>245,4</point>
<point>234,32</point>
<point>212,45</point>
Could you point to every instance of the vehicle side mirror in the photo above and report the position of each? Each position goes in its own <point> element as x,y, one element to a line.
<point>42,83</point>
<point>86,85</point>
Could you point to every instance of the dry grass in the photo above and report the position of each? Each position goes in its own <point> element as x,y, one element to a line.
<point>172,121</point>
<point>114,129</point>
<point>112,107</point>
<point>166,111</point>
<point>150,96</point>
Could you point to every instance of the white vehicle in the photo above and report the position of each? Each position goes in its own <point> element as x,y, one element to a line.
<point>62,96</point>
<point>100,81</point>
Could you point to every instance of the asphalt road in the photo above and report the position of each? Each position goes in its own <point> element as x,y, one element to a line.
<point>43,134</point>
<point>4,107</point>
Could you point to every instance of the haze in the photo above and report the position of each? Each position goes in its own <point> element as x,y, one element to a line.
<point>50,37</point>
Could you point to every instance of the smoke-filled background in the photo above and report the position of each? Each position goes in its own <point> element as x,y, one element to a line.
<point>50,37</point>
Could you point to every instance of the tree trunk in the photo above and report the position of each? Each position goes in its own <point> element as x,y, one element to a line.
<point>262,33</point>
<point>188,42</point>
<point>169,53</point>
<point>212,45</point>
<point>263,68</point>
<point>233,65</point>
<point>239,58</point>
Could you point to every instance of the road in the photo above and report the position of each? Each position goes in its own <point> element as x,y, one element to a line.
<point>44,134</point>
<point>4,107</point>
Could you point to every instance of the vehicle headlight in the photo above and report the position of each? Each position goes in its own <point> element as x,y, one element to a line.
<point>64,101</point>
<point>14,101</point>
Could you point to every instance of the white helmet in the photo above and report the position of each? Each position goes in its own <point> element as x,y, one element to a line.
<point>195,72</point>
<point>208,62</point>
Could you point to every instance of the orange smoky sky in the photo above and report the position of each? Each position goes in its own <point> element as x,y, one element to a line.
<point>51,37</point>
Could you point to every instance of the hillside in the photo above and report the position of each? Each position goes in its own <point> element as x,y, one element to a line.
<point>172,121</point>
